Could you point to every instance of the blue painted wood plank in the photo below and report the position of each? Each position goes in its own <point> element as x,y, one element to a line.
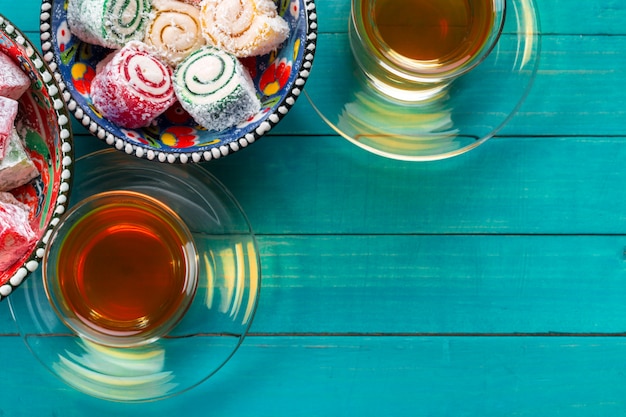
<point>435,284</point>
<point>442,284</point>
<point>315,184</point>
<point>366,376</point>
<point>7,324</point>
<point>340,230</point>
<point>579,89</point>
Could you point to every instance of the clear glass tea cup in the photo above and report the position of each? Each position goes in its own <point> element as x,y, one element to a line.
<point>121,269</point>
<point>411,50</point>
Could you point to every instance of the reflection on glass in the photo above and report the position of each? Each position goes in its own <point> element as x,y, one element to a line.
<point>212,328</point>
<point>115,373</point>
<point>434,115</point>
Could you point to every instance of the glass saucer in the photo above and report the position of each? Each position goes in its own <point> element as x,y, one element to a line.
<point>468,113</point>
<point>214,325</point>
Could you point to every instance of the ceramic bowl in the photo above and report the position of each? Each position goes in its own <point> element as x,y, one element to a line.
<point>44,123</point>
<point>278,78</point>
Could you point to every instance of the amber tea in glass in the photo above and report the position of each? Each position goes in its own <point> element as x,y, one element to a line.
<point>121,268</point>
<point>420,45</point>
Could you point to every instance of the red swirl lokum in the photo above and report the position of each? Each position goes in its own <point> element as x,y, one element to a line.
<point>133,87</point>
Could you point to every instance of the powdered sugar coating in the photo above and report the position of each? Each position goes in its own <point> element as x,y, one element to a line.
<point>133,88</point>
<point>13,82</point>
<point>8,111</point>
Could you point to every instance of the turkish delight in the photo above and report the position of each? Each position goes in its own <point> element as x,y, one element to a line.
<point>215,89</point>
<point>133,87</point>
<point>16,235</point>
<point>174,30</point>
<point>13,81</point>
<point>109,23</point>
<point>243,28</point>
<point>8,112</point>
<point>16,168</point>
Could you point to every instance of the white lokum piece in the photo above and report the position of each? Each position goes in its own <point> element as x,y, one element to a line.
<point>8,112</point>
<point>243,28</point>
<point>174,30</point>
<point>13,81</point>
<point>16,234</point>
<point>16,168</point>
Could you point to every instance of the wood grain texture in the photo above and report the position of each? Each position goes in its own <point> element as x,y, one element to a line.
<point>578,89</point>
<point>490,284</point>
<point>437,285</point>
<point>338,376</point>
<point>512,185</point>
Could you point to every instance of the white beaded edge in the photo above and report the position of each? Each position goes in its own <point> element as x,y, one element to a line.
<point>67,155</point>
<point>175,157</point>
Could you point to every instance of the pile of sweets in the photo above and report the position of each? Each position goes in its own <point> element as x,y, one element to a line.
<point>169,50</point>
<point>16,168</point>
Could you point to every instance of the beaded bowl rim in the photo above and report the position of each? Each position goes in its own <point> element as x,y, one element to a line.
<point>287,101</point>
<point>63,124</point>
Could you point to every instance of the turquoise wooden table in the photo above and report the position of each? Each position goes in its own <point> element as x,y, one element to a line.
<point>490,284</point>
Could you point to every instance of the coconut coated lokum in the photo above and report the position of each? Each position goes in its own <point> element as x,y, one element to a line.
<point>215,88</point>
<point>109,23</point>
<point>243,28</point>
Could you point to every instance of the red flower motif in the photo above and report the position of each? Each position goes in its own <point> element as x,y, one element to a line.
<point>82,75</point>
<point>275,77</point>
<point>179,136</point>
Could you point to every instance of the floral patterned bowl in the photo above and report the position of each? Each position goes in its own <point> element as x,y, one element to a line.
<point>43,122</point>
<point>278,78</point>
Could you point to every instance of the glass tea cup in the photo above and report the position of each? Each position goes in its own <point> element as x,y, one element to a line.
<point>121,269</point>
<point>411,50</point>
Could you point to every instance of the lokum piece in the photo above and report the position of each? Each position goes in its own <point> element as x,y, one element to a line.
<point>133,88</point>
<point>243,28</point>
<point>109,23</point>
<point>8,112</point>
<point>174,30</point>
<point>16,235</point>
<point>215,88</point>
<point>13,81</point>
<point>16,168</point>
